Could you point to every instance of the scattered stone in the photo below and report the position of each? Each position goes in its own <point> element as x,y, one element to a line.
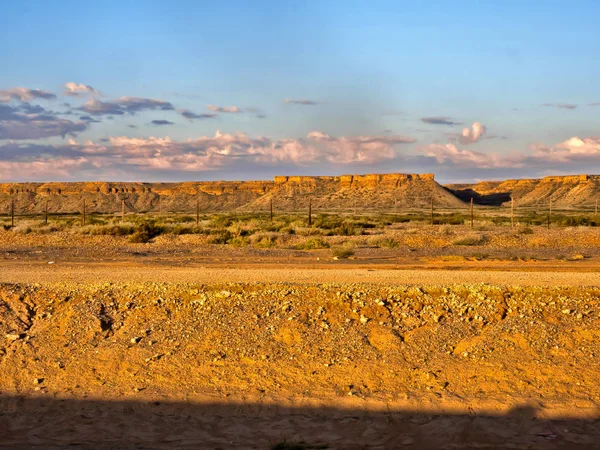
<point>13,336</point>
<point>135,340</point>
<point>38,380</point>
<point>363,319</point>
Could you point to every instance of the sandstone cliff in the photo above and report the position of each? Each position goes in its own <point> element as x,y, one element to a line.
<point>573,191</point>
<point>366,192</point>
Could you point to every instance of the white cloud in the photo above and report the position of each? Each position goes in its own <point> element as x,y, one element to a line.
<point>75,90</point>
<point>445,153</point>
<point>473,134</point>
<point>24,94</point>
<point>201,154</point>
<point>224,109</point>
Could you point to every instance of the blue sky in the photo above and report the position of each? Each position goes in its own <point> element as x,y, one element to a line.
<point>386,86</point>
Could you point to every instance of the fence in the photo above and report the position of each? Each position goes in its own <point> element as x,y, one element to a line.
<point>512,214</point>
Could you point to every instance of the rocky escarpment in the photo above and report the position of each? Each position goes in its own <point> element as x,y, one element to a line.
<point>564,191</point>
<point>365,192</point>
<point>286,193</point>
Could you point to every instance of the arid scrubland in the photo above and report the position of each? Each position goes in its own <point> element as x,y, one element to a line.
<point>241,323</point>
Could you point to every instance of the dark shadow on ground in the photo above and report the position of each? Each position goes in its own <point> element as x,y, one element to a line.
<point>485,200</point>
<point>46,423</point>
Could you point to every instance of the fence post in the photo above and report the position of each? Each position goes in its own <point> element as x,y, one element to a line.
<point>46,213</point>
<point>309,212</point>
<point>596,210</point>
<point>395,206</point>
<point>197,211</point>
<point>271,209</point>
<point>471,212</point>
<point>122,210</point>
<point>83,216</point>
<point>431,210</point>
<point>12,212</point>
<point>512,211</point>
<point>549,212</point>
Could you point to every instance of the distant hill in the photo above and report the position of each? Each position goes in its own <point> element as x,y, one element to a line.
<point>564,191</point>
<point>293,193</point>
<point>287,193</point>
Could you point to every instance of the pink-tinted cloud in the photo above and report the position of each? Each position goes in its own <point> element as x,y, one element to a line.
<point>449,153</point>
<point>200,154</point>
<point>224,109</point>
<point>473,134</point>
<point>76,90</point>
<point>572,149</point>
<point>22,94</point>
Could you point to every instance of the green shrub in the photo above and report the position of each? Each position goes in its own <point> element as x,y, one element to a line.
<point>145,232</point>
<point>386,243</point>
<point>312,244</point>
<point>526,230</point>
<point>344,251</point>
<point>474,239</point>
<point>222,237</point>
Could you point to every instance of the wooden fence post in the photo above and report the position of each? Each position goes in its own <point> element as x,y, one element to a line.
<point>122,210</point>
<point>431,210</point>
<point>271,209</point>
<point>83,215</point>
<point>197,211</point>
<point>46,213</point>
<point>12,212</point>
<point>471,212</point>
<point>549,213</point>
<point>512,211</point>
<point>309,212</point>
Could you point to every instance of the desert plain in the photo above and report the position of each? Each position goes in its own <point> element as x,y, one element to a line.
<point>366,325</point>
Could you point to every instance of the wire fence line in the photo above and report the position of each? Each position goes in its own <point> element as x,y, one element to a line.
<point>20,209</point>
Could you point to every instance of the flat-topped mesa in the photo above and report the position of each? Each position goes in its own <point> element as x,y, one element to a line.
<point>369,181</point>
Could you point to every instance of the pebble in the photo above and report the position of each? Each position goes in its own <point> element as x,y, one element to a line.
<point>13,337</point>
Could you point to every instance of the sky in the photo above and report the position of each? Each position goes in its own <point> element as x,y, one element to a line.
<point>187,90</point>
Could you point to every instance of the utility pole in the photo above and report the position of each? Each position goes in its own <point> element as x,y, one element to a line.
<point>122,210</point>
<point>431,210</point>
<point>512,211</point>
<point>12,213</point>
<point>271,209</point>
<point>83,216</point>
<point>596,210</point>
<point>395,206</point>
<point>197,211</point>
<point>471,212</point>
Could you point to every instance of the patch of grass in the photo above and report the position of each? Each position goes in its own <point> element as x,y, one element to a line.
<point>343,252</point>
<point>312,244</point>
<point>221,237</point>
<point>526,230</point>
<point>474,239</point>
<point>386,242</point>
<point>146,232</point>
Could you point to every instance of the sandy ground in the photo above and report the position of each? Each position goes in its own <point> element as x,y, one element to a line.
<point>123,271</point>
<point>160,349</point>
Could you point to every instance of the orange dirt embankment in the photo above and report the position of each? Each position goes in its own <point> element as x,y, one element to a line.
<point>463,347</point>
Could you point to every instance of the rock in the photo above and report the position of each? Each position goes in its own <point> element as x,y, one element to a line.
<point>13,336</point>
<point>566,311</point>
<point>135,340</point>
<point>38,380</point>
<point>363,319</point>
